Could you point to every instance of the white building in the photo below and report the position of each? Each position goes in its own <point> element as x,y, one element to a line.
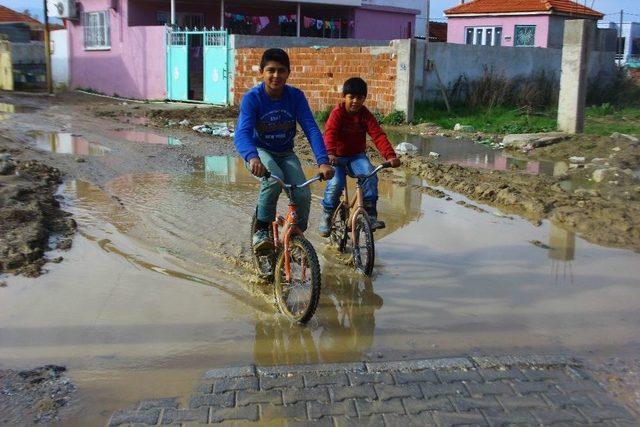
<point>630,39</point>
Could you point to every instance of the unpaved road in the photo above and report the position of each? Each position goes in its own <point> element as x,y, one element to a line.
<point>448,280</point>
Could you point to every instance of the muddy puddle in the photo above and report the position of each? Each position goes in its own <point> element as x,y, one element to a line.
<point>68,143</point>
<point>144,137</point>
<point>473,154</point>
<point>157,288</point>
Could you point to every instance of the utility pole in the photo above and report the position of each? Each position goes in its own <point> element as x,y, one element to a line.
<point>620,44</point>
<point>425,65</point>
<point>47,49</point>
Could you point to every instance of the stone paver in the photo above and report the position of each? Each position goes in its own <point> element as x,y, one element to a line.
<point>479,391</point>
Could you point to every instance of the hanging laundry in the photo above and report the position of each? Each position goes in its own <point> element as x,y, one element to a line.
<point>227,15</point>
<point>308,22</point>
<point>319,24</point>
<point>264,21</point>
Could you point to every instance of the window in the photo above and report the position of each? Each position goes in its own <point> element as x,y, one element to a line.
<point>525,35</point>
<point>487,36</point>
<point>96,30</point>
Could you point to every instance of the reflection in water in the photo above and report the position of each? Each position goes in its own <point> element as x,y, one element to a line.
<point>68,143</point>
<point>562,247</point>
<point>470,154</point>
<point>146,137</point>
<point>10,108</point>
<point>342,330</point>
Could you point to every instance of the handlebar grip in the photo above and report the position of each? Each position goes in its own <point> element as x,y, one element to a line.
<point>386,165</point>
<point>266,175</point>
<point>320,176</point>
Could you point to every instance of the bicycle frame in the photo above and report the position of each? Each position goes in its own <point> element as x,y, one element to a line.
<point>289,223</point>
<point>358,201</point>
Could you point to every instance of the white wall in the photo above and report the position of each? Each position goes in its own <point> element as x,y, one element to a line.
<point>60,57</point>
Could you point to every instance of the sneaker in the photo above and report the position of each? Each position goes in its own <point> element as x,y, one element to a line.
<point>261,240</point>
<point>325,223</point>
<point>376,224</point>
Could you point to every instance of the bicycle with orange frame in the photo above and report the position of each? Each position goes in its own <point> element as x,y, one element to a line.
<point>291,263</point>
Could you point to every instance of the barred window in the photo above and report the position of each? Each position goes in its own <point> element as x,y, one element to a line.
<point>96,30</point>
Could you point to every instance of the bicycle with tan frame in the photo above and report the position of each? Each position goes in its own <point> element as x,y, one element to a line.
<point>350,221</point>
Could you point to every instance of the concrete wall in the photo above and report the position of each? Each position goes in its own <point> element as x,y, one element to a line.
<point>6,68</point>
<point>455,60</point>
<point>456,31</point>
<point>320,72</point>
<point>133,67</point>
<point>60,57</point>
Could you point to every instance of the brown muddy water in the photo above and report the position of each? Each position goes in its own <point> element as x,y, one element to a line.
<point>157,288</point>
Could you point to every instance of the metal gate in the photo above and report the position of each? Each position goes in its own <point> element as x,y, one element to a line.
<point>214,54</point>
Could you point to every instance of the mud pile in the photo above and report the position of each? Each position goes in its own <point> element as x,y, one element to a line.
<point>34,396</point>
<point>31,221</point>
<point>195,115</point>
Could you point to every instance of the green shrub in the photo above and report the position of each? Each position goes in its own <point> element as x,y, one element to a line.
<point>379,116</point>
<point>323,115</point>
<point>394,118</point>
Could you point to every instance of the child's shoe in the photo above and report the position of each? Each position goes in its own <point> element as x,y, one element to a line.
<point>261,241</point>
<point>324,228</point>
<point>372,211</point>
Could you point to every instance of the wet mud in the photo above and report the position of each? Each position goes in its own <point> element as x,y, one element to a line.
<point>34,396</point>
<point>31,221</point>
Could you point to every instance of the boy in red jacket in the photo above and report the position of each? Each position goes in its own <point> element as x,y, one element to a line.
<point>345,137</point>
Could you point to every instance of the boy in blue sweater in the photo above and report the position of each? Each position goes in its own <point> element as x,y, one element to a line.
<point>264,138</point>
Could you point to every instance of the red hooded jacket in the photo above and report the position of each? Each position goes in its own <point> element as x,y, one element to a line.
<point>345,134</point>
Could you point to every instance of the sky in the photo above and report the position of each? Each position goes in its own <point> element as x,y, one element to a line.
<point>611,7</point>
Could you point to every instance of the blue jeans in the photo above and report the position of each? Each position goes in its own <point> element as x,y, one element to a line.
<point>286,166</point>
<point>353,165</point>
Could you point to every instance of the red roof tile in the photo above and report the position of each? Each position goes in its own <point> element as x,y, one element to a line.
<point>514,6</point>
<point>11,16</point>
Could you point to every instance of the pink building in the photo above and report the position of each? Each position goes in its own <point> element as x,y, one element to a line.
<point>523,23</point>
<point>119,46</point>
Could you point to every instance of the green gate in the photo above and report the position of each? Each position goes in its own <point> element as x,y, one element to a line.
<point>212,45</point>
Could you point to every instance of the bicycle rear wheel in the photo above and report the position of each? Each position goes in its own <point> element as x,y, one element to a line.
<point>363,248</point>
<point>298,298</point>
<point>338,232</point>
<point>264,262</point>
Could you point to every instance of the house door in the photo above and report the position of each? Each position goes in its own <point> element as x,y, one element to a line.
<point>197,66</point>
<point>215,67</point>
<point>177,73</point>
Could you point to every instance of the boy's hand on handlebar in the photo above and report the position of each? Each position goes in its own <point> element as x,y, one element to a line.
<point>394,162</point>
<point>257,168</point>
<point>326,171</point>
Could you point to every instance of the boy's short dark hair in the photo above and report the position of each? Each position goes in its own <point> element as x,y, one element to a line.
<point>275,55</point>
<point>354,86</point>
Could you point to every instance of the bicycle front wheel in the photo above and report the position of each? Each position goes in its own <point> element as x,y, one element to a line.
<point>363,249</point>
<point>297,298</point>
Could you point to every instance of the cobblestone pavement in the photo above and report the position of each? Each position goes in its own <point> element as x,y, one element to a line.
<point>478,391</point>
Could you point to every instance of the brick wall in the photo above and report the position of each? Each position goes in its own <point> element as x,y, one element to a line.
<point>321,72</point>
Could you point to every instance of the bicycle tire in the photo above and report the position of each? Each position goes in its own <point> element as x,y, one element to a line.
<point>363,230</point>
<point>306,249</point>
<point>264,264</point>
<point>338,230</point>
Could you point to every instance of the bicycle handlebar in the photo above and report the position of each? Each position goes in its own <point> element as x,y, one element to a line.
<point>375,171</point>
<point>280,181</point>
